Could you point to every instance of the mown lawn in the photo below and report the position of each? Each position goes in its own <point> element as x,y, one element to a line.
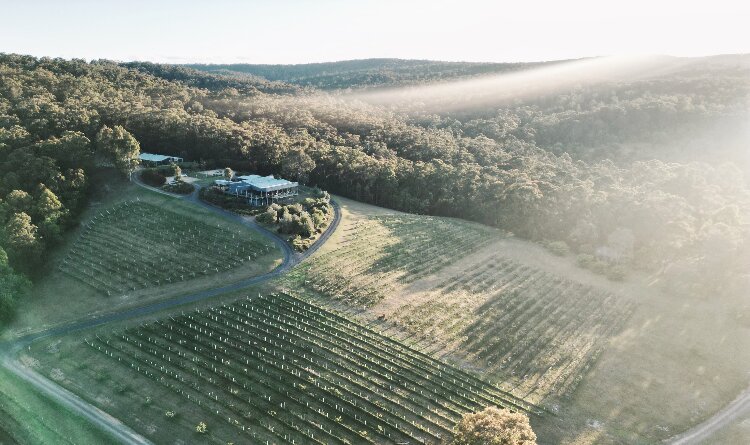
<point>27,417</point>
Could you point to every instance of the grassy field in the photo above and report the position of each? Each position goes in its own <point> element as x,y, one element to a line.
<point>736,432</point>
<point>27,417</point>
<point>268,368</point>
<point>155,239</point>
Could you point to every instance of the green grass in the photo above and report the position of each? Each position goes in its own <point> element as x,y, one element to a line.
<point>137,245</point>
<point>27,417</point>
<point>535,331</point>
<point>60,296</point>
<point>384,251</point>
<point>270,368</point>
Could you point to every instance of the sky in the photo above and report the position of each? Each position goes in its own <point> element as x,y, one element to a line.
<point>297,31</point>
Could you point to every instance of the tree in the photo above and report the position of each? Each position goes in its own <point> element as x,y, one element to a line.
<point>48,206</point>
<point>177,173</point>
<point>20,232</point>
<point>19,200</point>
<point>228,174</point>
<point>48,213</point>
<point>201,428</point>
<point>494,426</point>
<point>268,217</point>
<point>12,287</point>
<point>24,246</point>
<point>297,164</point>
<point>119,146</point>
<point>3,259</point>
<point>305,226</point>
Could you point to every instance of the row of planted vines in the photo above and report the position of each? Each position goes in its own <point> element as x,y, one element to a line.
<point>281,370</point>
<point>382,253</point>
<point>136,245</point>
<point>531,328</point>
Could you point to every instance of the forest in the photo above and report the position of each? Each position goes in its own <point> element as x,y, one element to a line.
<point>606,170</point>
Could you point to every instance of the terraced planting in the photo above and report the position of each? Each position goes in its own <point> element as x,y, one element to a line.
<point>279,370</point>
<point>136,245</point>
<point>382,253</point>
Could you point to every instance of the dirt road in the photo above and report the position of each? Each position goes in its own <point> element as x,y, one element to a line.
<point>118,430</point>
<point>702,432</point>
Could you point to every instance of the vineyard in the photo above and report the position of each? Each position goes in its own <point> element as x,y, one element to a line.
<point>276,369</point>
<point>532,330</point>
<point>136,245</point>
<point>381,253</point>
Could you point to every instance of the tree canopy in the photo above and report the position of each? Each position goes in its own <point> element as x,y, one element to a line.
<point>494,426</point>
<point>587,166</point>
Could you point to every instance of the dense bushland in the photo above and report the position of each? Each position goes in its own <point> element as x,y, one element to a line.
<point>59,119</point>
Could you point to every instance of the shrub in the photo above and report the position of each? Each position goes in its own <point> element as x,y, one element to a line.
<point>300,244</point>
<point>494,426</point>
<point>559,248</point>
<point>153,178</point>
<point>318,219</point>
<point>201,428</point>
<point>181,188</point>
<point>321,194</point>
<point>600,267</point>
<point>268,217</point>
<point>617,273</point>
<point>585,260</point>
<point>295,209</point>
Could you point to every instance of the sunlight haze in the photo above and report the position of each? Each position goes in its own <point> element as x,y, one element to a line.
<point>378,222</point>
<point>228,31</point>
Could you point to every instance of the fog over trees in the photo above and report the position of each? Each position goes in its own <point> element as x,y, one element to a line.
<point>635,174</point>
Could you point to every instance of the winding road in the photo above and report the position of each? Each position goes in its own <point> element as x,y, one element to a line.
<point>702,432</point>
<point>9,350</point>
<point>121,432</point>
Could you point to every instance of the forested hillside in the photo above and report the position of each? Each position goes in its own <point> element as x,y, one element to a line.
<point>365,73</point>
<point>677,109</point>
<point>524,167</point>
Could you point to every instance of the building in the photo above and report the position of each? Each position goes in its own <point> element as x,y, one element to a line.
<point>259,190</point>
<point>154,159</point>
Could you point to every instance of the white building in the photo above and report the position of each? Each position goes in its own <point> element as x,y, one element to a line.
<point>154,159</point>
<point>259,190</point>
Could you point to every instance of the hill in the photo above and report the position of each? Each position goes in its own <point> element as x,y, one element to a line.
<point>385,339</point>
<point>676,109</point>
<point>365,73</point>
<point>493,170</point>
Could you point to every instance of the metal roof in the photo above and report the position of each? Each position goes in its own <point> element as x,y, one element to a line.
<point>266,183</point>
<point>156,158</point>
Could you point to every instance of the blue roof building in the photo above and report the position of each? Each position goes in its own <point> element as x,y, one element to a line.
<point>259,190</point>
